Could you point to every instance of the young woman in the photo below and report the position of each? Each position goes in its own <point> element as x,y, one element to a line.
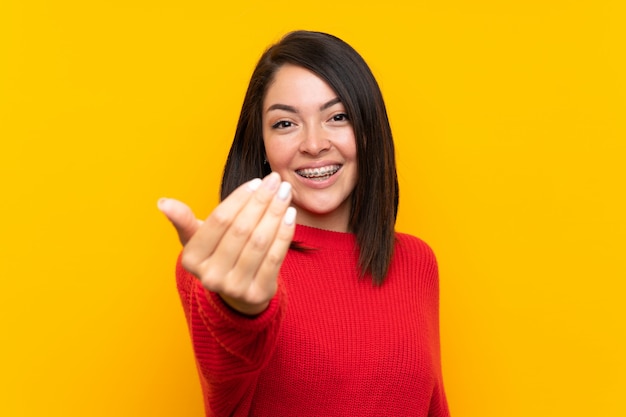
<point>329,314</point>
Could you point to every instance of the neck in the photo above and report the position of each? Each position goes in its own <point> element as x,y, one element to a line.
<point>334,221</point>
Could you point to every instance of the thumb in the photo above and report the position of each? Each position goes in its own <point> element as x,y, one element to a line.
<point>181,217</point>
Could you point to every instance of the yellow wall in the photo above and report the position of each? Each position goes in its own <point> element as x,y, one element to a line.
<point>509,122</point>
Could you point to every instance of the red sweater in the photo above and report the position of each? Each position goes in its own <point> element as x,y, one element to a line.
<point>329,344</point>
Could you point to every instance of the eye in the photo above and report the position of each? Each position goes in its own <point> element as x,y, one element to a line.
<point>340,117</point>
<point>282,124</point>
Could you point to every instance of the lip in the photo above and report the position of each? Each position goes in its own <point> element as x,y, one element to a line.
<point>317,184</point>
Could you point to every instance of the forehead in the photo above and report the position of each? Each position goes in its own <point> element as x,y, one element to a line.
<point>294,84</point>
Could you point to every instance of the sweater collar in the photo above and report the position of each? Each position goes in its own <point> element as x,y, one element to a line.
<point>320,238</point>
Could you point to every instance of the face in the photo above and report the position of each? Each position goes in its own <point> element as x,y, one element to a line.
<point>310,142</point>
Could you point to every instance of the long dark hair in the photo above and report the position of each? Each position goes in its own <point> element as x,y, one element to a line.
<point>375,197</point>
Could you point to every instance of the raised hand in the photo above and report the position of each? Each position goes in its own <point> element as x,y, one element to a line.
<point>238,250</point>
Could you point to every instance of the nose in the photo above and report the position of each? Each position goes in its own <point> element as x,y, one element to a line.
<point>314,141</point>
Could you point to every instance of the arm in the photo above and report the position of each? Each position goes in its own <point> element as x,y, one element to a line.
<point>230,349</point>
<point>438,402</point>
<point>227,279</point>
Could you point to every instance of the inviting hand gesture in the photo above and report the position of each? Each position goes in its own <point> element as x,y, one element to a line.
<point>238,250</point>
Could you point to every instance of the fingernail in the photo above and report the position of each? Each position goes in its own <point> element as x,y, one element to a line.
<point>254,184</point>
<point>290,216</point>
<point>161,202</point>
<point>283,190</point>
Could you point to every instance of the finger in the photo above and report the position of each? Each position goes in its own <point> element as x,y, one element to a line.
<point>203,243</point>
<point>181,217</point>
<point>260,241</point>
<point>244,224</point>
<point>268,270</point>
<point>261,290</point>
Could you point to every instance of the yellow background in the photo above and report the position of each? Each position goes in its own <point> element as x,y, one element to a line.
<point>510,131</point>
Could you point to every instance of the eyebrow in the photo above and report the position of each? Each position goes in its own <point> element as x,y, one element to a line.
<point>292,109</point>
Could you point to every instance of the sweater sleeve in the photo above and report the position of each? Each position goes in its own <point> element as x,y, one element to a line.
<point>230,349</point>
<point>438,402</point>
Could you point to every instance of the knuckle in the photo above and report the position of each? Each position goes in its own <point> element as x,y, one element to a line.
<point>255,299</point>
<point>189,260</point>
<point>211,279</point>
<point>262,196</point>
<point>272,289</point>
<point>276,210</point>
<point>241,229</point>
<point>259,242</point>
<point>264,292</point>
<point>220,218</point>
<point>211,286</point>
<point>233,290</point>
<point>285,235</point>
<point>274,259</point>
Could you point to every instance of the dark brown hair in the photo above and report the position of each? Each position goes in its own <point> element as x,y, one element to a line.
<point>375,197</point>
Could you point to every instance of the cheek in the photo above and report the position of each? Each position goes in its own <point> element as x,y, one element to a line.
<point>277,153</point>
<point>349,147</point>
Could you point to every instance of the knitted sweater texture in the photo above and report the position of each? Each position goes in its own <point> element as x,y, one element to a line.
<point>329,344</point>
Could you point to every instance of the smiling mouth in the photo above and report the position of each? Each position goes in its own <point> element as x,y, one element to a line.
<point>319,174</point>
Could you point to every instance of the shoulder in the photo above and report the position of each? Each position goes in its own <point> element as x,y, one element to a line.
<point>415,258</point>
<point>415,254</point>
<point>406,243</point>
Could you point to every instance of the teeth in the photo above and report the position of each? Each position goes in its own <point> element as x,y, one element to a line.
<point>319,173</point>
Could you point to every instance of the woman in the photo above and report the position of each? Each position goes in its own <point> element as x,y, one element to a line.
<point>334,314</point>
